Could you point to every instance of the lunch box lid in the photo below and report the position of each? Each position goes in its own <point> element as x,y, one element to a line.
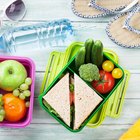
<point>113,107</point>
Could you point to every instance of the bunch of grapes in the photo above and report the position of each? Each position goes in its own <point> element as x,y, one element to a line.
<point>2,112</point>
<point>23,91</point>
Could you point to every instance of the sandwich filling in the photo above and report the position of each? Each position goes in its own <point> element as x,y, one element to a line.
<point>71,87</point>
<point>51,109</point>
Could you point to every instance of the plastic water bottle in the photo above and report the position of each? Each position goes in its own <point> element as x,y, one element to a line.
<point>47,34</point>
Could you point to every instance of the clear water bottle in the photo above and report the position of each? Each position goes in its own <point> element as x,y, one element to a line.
<point>47,34</point>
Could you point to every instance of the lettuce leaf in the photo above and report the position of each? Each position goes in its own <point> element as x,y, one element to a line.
<point>72,116</point>
<point>71,87</point>
<point>50,109</point>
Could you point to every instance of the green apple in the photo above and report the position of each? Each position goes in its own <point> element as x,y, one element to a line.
<point>12,74</point>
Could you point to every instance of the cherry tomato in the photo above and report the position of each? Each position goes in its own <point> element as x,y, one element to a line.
<point>105,84</point>
<point>117,73</point>
<point>107,66</point>
<point>14,107</point>
<point>71,98</point>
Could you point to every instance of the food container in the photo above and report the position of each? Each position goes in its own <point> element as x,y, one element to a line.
<point>98,113</point>
<point>58,60</point>
<point>30,67</point>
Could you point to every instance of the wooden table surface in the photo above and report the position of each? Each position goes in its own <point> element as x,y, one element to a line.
<point>43,126</point>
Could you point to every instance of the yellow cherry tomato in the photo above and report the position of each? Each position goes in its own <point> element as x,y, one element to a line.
<point>107,66</point>
<point>117,73</point>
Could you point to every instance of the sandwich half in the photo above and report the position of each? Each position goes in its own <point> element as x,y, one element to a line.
<point>72,100</point>
<point>59,100</point>
<point>86,100</point>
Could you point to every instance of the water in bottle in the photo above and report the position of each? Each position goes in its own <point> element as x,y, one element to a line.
<point>43,35</point>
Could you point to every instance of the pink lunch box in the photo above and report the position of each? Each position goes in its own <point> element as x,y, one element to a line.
<point>30,67</point>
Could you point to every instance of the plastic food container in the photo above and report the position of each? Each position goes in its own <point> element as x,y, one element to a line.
<point>30,67</point>
<point>71,67</point>
<point>113,107</point>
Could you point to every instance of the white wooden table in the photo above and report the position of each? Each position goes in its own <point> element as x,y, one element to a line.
<point>44,126</point>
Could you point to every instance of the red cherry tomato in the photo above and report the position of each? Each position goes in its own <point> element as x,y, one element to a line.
<point>105,84</point>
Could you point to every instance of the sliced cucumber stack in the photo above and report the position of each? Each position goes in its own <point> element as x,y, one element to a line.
<point>80,58</point>
<point>88,47</point>
<point>97,53</point>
